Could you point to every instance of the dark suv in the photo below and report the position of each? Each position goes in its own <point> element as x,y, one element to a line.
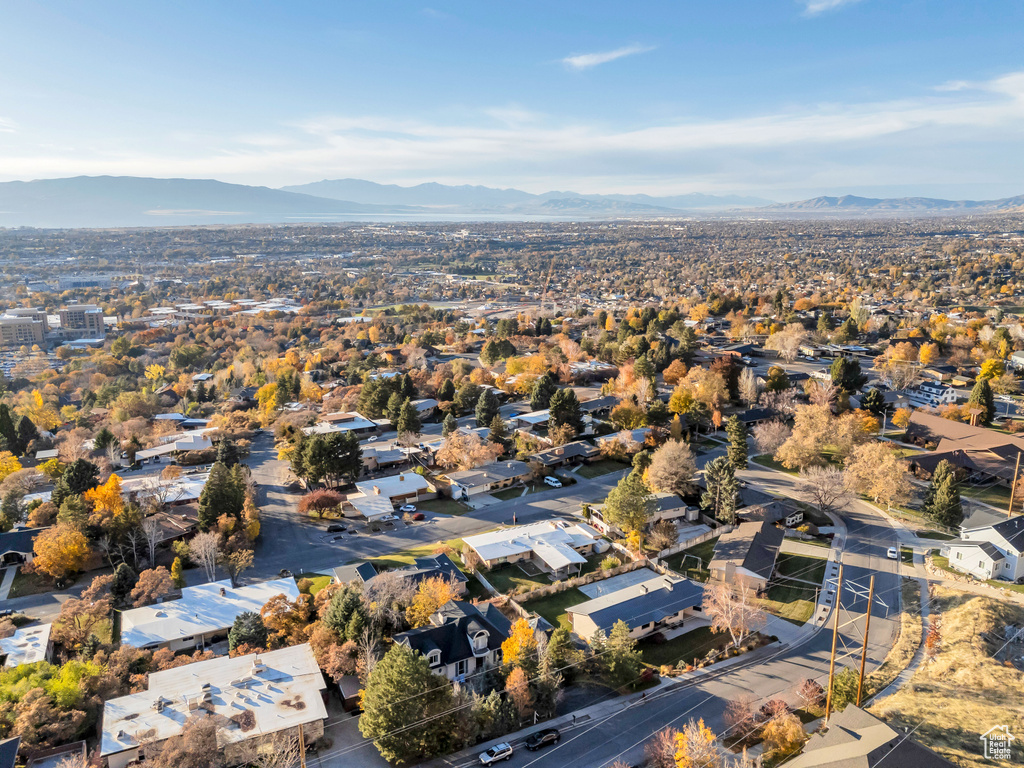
<point>543,739</point>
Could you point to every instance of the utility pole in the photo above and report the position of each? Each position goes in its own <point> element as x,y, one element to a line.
<point>835,639</point>
<point>864,649</point>
<point>1016,470</point>
<point>302,747</point>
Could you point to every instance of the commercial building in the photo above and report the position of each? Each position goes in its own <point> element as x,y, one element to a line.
<point>203,615</point>
<point>20,327</point>
<point>249,698</point>
<point>82,321</point>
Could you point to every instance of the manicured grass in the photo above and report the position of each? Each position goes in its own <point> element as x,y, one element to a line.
<point>792,602</point>
<point>935,535</point>
<point>601,467</point>
<point>683,649</point>
<point>687,566</point>
<point>943,563</point>
<point>508,578</point>
<point>767,461</point>
<point>319,581</point>
<point>30,584</point>
<point>406,557</point>
<point>443,506</point>
<point>507,494</point>
<point>553,607</point>
<point>816,543</point>
<point>996,495</point>
<point>906,555</point>
<point>802,567</point>
<point>475,590</point>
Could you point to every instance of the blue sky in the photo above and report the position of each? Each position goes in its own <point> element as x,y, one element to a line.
<point>780,98</point>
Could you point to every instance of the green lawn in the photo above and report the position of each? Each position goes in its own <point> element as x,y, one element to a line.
<point>507,494</point>
<point>508,578</point>
<point>30,584</point>
<point>406,557</point>
<point>443,506</point>
<point>553,607</point>
<point>683,649</point>
<point>934,535</point>
<point>996,495</point>
<point>319,580</point>
<point>705,551</point>
<point>601,467</point>
<point>790,601</point>
<point>906,555</point>
<point>802,567</point>
<point>767,461</point>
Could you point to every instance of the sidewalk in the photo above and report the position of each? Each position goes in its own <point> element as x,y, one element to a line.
<point>8,582</point>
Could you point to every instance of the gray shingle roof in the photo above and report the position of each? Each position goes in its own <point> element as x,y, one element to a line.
<point>652,600</point>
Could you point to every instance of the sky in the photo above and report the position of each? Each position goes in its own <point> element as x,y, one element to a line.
<point>783,99</point>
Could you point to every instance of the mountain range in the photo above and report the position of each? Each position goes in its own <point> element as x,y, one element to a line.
<point>130,201</point>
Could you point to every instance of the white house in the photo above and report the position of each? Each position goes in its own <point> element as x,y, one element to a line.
<point>202,615</point>
<point>379,497</point>
<point>991,551</point>
<point>931,394</point>
<point>554,546</point>
<point>26,646</point>
<point>247,697</point>
<point>657,604</point>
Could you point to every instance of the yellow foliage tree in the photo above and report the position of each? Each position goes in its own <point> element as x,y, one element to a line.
<point>42,414</point>
<point>430,595</point>
<point>901,418</point>
<point>9,464</point>
<point>60,551</point>
<point>155,372</point>
<point>928,353</point>
<point>520,649</point>
<point>106,499</point>
<point>695,747</point>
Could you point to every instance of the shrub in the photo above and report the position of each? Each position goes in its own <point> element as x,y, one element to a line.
<point>304,585</point>
<point>610,562</point>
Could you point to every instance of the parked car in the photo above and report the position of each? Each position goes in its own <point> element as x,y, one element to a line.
<point>554,482</point>
<point>388,518</point>
<point>419,516</point>
<point>543,739</point>
<point>335,528</point>
<point>284,573</point>
<point>496,754</point>
<point>407,508</point>
<point>893,553</point>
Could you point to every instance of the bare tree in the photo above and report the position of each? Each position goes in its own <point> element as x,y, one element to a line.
<point>749,390</point>
<point>822,392</point>
<point>151,530</point>
<point>770,435</point>
<point>732,609</point>
<point>660,751</point>
<point>203,549</point>
<point>825,487</point>
<point>368,654</point>
<point>672,468</point>
<point>154,494</point>
<point>787,341</point>
<point>278,750</point>
<point>386,597</point>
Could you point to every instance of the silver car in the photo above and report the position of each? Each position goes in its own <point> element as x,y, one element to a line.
<point>496,754</point>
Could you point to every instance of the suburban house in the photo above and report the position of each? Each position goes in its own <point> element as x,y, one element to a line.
<point>991,551</point>
<point>26,646</point>
<point>631,440</point>
<point>203,615</point>
<point>553,546</point>
<point>562,455</point>
<point>856,739</point>
<point>421,568</point>
<point>330,423</point>
<point>384,456</point>
<point>9,751</point>
<point>931,394</point>
<point>426,407</point>
<point>667,506</point>
<point>195,441</point>
<point>655,605</point>
<point>461,639</point>
<point>249,697</point>
<point>380,497</point>
<point>746,554</point>
<point>16,545</point>
<point>185,489</point>
<point>986,455</point>
<point>489,477</point>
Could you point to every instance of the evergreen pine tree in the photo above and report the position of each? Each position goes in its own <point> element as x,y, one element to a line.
<point>8,430</point>
<point>446,392</point>
<point>394,407</point>
<point>408,418</point>
<point>722,488</point>
<point>221,496</point>
<point>873,402</point>
<point>449,425</point>
<point>737,432</point>
<point>543,389</point>
<point>248,629</point>
<point>942,500</point>
<point>565,410</point>
<point>499,432</point>
<point>486,408</point>
<point>227,453</point>
<point>981,397</point>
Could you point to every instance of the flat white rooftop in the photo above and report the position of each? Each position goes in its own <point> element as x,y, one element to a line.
<point>26,646</point>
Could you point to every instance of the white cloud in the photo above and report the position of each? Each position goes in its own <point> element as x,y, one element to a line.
<point>588,60</point>
<point>6,126</point>
<point>814,7</point>
<point>974,130</point>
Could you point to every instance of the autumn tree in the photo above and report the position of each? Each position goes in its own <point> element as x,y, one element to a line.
<point>520,648</point>
<point>517,686</point>
<point>732,609</point>
<point>430,595</point>
<point>465,450</point>
<point>874,470</point>
<point>695,747</point>
<point>672,468</point>
<point>60,551</point>
<point>319,502</point>
<point>825,487</point>
<point>660,750</point>
<point>151,585</point>
<point>287,621</point>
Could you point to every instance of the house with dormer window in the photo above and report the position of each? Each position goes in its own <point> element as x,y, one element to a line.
<point>461,640</point>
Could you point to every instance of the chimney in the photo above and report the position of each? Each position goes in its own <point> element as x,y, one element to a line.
<point>223,592</point>
<point>401,478</point>
<point>668,584</point>
<point>376,490</point>
<point>644,588</point>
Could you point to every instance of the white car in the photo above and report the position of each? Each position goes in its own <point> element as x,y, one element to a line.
<point>496,753</point>
<point>554,482</point>
<point>387,518</point>
<point>407,508</point>
<point>893,553</point>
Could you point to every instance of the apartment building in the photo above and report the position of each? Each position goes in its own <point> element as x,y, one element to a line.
<point>22,327</point>
<point>82,321</point>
